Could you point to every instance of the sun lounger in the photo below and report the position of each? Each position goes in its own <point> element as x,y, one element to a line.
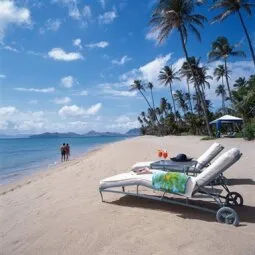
<point>202,161</point>
<point>195,185</point>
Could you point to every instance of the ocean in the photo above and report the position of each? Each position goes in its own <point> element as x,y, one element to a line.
<point>24,156</point>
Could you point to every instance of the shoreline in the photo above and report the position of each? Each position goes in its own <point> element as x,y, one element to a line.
<point>45,165</point>
<point>46,171</point>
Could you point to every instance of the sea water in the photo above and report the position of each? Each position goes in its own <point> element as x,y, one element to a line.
<point>23,156</point>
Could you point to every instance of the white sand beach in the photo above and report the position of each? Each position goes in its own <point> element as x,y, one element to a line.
<point>60,211</point>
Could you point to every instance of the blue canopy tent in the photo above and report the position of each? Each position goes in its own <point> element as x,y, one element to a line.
<point>225,119</point>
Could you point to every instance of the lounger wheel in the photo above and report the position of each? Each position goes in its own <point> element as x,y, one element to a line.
<point>227,215</point>
<point>234,198</point>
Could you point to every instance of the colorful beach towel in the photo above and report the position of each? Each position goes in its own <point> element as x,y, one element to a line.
<point>170,182</point>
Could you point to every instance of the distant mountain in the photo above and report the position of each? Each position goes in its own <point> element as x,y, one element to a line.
<point>55,135</point>
<point>92,133</point>
<point>133,132</point>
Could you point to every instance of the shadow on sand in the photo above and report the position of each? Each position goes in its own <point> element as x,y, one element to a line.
<point>232,182</point>
<point>246,213</point>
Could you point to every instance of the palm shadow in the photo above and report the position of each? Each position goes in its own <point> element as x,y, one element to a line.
<point>245,181</point>
<point>245,213</point>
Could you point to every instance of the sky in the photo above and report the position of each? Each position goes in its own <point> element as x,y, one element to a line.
<point>67,65</point>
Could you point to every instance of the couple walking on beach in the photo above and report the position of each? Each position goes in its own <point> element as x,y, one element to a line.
<point>65,152</point>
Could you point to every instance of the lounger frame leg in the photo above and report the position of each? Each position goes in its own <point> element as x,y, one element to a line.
<point>101,194</point>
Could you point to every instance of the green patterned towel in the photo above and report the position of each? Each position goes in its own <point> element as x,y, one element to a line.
<point>170,182</point>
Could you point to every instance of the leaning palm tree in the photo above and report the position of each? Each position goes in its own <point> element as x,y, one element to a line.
<point>150,87</point>
<point>221,49</point>
<point>180,99</point>
<point>137,85</point>
<point>230,7</point>
<point>178,14</point>
<point>167,76</point>
<point>220,91</point>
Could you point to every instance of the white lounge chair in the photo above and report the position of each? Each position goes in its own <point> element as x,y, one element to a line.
<point>202,161</point>
<point>195,185</point>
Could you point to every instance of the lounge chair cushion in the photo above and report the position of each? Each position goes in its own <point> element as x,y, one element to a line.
<point>217,167</point>
<point>208,155</point>
<point>127,179</point>
<point>141,164</point>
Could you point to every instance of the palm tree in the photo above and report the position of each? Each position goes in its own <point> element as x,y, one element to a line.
<point>221,49</point>
<point>187,97</point>
<point>240,82</point>
<point>220,91</point>
<point>179,97</point>
<point>137,85</point>
<point>150,86</point>
<point>219,73</point>
<point>167,76</point>
<point>178,14</point>
<point>185,72</point>
<point>202,78</point>
<point>230,7</point>
<point>163,105</point>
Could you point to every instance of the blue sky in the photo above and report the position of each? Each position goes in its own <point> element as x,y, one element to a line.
<point>66,65</point>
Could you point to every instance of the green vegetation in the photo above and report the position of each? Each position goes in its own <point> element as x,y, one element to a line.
<point>191,113</point>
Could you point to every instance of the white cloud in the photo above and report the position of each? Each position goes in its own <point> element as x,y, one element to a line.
<point>107,17</point>
<point>10,48</point>
<point>7,110</point>
<point>87,13</point>
<point>115,92</point>
<point>18,121</point>
<point>51,25</point>
<point>94,109</point>
<point>3,125</point>
<point>72,6</point>
<point>151,70</point>
<point>2,76</point>
<point>82,93</point>
<point>61,55</point>
<point>10,14</point>
<point>62,100</point>
<point>68,81</point>
<point>124,122</point>
<point>122,61</point>
<point>102,44</point>
<point>47,90</point>
<point>74,110</point>
<point>77,43</point>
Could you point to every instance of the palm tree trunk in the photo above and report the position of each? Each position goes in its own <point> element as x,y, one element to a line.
<point>150,106</point>
<point>226,76</point>
<point>196,84</point>
<point>223,103</point>
<point>190,104</point>
<point>247,35</point>
<point>152,98</point>
<point>171,92</point>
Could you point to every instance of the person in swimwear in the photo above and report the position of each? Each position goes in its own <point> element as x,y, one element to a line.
<point>63,152</point>
<point>67,151</point>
